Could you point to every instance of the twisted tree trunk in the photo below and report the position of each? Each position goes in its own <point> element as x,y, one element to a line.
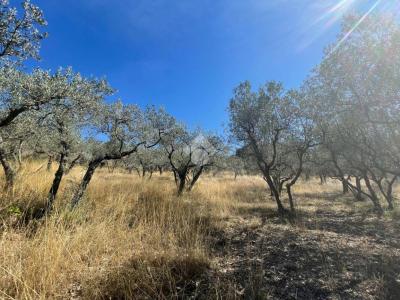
<point>388,194</point>
<point>8,171</point>
<point>359,196</point>
<point>275,193</point>
<point>373,196</point>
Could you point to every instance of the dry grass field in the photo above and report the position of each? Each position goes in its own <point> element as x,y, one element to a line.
<point>134,239</point>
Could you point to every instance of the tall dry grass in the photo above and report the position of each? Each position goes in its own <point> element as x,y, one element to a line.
<point>130,238</point>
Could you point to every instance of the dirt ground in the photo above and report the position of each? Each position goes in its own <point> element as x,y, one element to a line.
<point>334,249</point>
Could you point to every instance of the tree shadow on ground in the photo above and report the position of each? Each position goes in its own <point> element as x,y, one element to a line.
<point>289,263</point>
<point>153,278</point>
<point>327,196</point>
<point>327,253</point>
<point>345,222</point>
<point>352,224</point>
<point>264,212</point>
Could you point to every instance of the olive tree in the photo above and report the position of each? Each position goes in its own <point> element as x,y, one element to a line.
<point>66,120</point>
<point>235,164</point>
<point>121,129</point>
<point>16,139</point>
<point>37,93</point>
<point>146,161</point>
<point>20,37</point>
<point>20,32</point>
<point>269,125</point>
<point>355,94</point>
<point>21,92</point>
<point>190,153</point>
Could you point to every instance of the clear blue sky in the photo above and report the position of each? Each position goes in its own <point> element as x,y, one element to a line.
<point>188,55</point>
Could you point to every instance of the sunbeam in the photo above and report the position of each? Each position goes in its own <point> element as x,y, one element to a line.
<point>322,17</point>
<point>358,23</point>
<point>335,12</point>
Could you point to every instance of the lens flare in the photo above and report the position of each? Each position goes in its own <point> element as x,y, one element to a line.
<point>330,13</point>
<point>358,23</point>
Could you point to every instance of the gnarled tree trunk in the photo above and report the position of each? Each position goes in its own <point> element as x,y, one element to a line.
<point>359,196</point>
<point>275,193</point>
<point>8,171</point>
<point>388,194</point>
<point>373,196</point>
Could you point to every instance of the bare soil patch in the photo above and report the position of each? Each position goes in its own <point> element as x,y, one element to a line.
<point>326,254</point>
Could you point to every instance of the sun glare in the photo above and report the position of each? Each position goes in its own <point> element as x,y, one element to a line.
<point>358,23</point>
<point>329,14</point>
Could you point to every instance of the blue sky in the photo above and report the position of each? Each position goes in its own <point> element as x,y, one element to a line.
<point>185,55</point>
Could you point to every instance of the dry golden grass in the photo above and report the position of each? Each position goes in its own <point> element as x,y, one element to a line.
<point>126,226</point>
<point>129,239</point>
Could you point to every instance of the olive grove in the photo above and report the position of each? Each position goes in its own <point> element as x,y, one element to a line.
<point>343,122</point>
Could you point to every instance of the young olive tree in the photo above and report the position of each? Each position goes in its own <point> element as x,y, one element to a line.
<point>236,165</point>
<point>160,160</point>
<point>121,130</point>
<point>296,155</point>
<point>190,154</point>
<point>146,161</point>
<point>269,125</point>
